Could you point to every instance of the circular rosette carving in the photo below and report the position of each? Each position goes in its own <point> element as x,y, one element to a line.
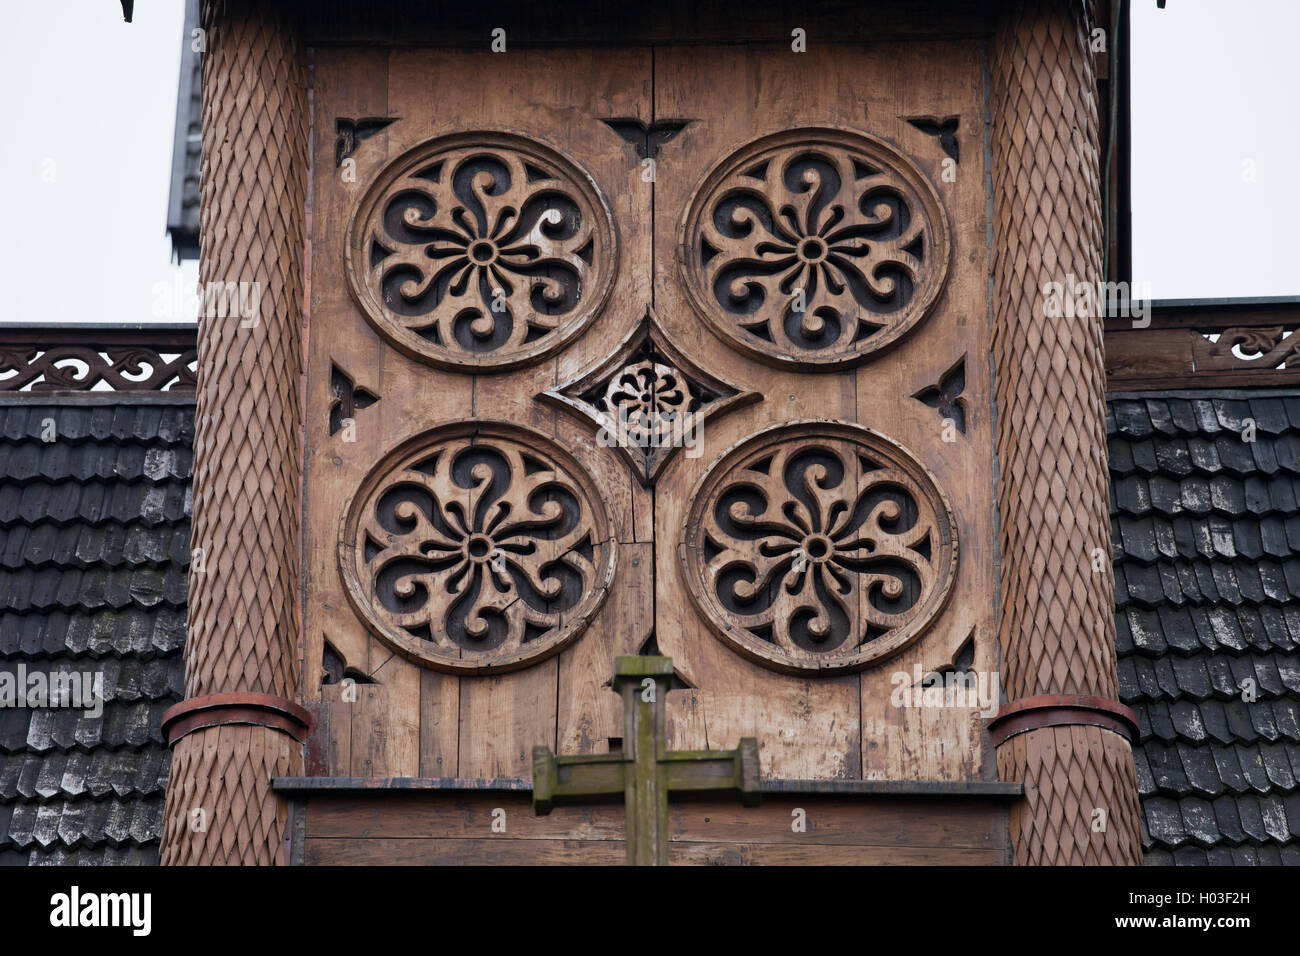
<point>819,547</point>
<point>481,250</point>
<point>814,247</point>
<point>477,547</point>
<point>649,399</point>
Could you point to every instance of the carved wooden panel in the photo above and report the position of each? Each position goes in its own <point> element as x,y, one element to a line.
<point>704,406</point>
<point>511,151</point>
<point>819,548</point>
<point>832,126</point>
<point>481,249</point>
<point>814,247</point>
<point>477,547</point>
<point>648,399</point>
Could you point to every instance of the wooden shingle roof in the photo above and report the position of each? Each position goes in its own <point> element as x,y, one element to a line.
<point>1206,540</point>
<point>94,550</point>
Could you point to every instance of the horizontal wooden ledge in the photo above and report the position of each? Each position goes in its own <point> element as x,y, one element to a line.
<point>987,789</point>
<point>406,784</point>
<point>502,850</point>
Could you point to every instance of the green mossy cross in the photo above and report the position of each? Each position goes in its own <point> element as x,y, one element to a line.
<point>646,771</point>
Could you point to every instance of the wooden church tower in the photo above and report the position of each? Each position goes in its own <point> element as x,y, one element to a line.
<point>643,405</point>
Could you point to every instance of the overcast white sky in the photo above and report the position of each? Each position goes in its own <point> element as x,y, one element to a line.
<point>1215,84</point>
<point>1216,91</point>
<point>97,96</point>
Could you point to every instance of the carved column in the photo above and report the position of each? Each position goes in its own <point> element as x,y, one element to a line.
<point>238,727</point>
<point>1061,734</point>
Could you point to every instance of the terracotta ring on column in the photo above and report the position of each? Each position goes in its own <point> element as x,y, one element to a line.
<point>240,707</point>
<point>1062,710</point>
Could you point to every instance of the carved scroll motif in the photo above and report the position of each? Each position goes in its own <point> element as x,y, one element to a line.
<point>477,547</point>
<point>814,248</point>
<point>481,250</point>
<point>648,399</point>
<point>82,368</point>
<point>1273,347</point>
<point>819,547</point>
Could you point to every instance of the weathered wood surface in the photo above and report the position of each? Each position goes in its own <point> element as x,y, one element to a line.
<point>838,726</point>
<point>414,720</point>
<point>1170,347</point>
<point>421,721</point>
<point>645,771</point>
<point>426,828</point>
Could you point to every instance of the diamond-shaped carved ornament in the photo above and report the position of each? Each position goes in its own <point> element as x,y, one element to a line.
<point>647,400</point>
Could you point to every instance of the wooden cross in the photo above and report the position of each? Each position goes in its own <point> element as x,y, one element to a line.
<point>646,771</point>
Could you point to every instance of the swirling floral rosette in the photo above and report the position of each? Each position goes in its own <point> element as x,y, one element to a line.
<point>481,250</point>
<point>648,400</point>
<point>814,247</point>
<point>477,547</point>
<point>819,547</point>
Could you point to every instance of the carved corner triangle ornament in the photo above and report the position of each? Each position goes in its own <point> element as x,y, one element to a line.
<point>647,399</point>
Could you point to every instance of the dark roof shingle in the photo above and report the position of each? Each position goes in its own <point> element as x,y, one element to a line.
<point>1206,535</point>
<point>94,551</point>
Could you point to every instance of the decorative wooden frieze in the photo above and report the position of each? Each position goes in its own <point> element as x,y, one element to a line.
<point>647,399</point>
<point>481,251</point>
<point>814,248</point>
<point>1198,345</point>
<point>121,360</point>
<point>1273,348</point>
<point>477,547</point>
<point>818,547</point>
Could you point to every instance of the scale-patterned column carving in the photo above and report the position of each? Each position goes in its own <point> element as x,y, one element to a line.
<point>243,607</point>
<point>1057,617</point>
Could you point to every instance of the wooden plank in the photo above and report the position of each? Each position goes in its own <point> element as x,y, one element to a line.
<point>830,822</point>
<point>439,724</point>
<point>346,84</point>
<point>1153,353</point>
<point>590,715</point>
<point>334,731</point>
<point>940,79</point>
<point>768,854</point>
<point>457,816</point>
<point>1210,315</point>
<point>501,851</point>
<point>502,718</point>
<point>385,718</point>
<point>927,822</point>
<point>805,728</point>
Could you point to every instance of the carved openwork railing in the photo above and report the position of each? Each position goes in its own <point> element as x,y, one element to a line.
<point>81,358</point>
<point>1225,343</point>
